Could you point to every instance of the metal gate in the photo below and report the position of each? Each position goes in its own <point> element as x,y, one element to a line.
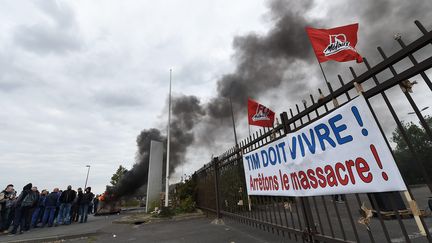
<point>364,217</point>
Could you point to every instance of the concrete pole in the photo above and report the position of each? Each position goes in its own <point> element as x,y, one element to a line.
<point>168,145</point>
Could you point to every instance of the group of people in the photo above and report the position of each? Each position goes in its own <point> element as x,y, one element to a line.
<point>32,209</point>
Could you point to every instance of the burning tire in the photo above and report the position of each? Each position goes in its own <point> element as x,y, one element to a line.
<point>108,205</point>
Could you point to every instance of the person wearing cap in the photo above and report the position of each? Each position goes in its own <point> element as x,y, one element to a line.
<point>85,203</point>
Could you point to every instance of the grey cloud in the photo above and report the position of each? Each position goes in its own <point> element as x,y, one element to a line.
<point>57,34</point>
<point>380,20</point>
<point>61,13</point>
<point>14,77</point>
<point>118,99</point>
<point>43,39</point>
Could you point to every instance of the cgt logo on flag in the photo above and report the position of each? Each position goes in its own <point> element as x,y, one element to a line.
<point>259,115</point>
<point>262,114</point>
<point>337,44</point>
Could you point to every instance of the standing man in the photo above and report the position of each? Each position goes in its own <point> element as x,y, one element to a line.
<point>76,206</point>
<point>6,199</point>
<point>66,199</point>
<point>56,213</point>
<point>50,208</point>
<point>85,203</point>
<point>30,204</point>
<point>20,210</point>
<point>39,209</point>
<point>95,204</point>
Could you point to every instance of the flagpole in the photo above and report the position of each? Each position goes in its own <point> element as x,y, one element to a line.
<point>233,122</point>
<point>248,119</point>
<point>325,78</point>
<point>168,145</point>
<point>335,102</point>
<point>319,63</point>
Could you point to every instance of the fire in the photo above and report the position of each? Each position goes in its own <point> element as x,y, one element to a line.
<point>108,204</point>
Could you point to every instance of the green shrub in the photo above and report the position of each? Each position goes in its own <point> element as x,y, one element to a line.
<point>185,196</point>
<point>166,212</point>
<point>186,205</point>
<point>154,204</point>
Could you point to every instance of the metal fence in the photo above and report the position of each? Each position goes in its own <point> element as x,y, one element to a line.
<point>364,217</point>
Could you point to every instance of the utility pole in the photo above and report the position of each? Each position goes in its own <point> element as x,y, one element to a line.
<point>168,145</point>
<point>88,171</point>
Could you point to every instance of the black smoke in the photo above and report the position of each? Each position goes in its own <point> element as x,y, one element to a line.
<point>186,112</point>
<point>263,63</point>
<point>137,176</point>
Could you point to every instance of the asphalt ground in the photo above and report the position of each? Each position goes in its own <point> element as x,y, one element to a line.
<point>190,231</point>
<point>93,225</point>
<point>101,229</point>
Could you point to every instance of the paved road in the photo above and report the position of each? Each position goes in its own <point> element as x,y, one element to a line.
<point>101,229</point>
<point>93,225</point>
<point>190,231</point>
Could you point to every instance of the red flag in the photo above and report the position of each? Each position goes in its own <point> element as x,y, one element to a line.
<point>259,115</point>
<point>337,44</point>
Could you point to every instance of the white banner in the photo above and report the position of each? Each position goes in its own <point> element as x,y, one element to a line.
<point>343,152</point>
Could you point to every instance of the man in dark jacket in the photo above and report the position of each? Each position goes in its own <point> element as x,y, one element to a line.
<point>50,207</point>
<point>31,202</point>
<point>39,209</point>
<point>6,198</point>
<point>20,210</point>
<point>85,202</point>
<point>76,206</point>
<point>66,199</point>
<point>95,204</point>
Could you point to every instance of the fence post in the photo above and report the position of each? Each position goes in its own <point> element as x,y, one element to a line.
<point>218,219</point>
<point>284,120</point>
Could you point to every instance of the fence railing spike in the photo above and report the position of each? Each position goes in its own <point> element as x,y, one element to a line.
<point>342,84</point>
<point>421,27</point>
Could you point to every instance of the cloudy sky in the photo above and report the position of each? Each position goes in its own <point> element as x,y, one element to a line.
<point>79,80</point>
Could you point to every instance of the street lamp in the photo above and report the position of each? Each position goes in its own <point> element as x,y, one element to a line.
<point>88,171</point>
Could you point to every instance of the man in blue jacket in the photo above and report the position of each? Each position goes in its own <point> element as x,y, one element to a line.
<point>50,208</point>
<point>39,209</point>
